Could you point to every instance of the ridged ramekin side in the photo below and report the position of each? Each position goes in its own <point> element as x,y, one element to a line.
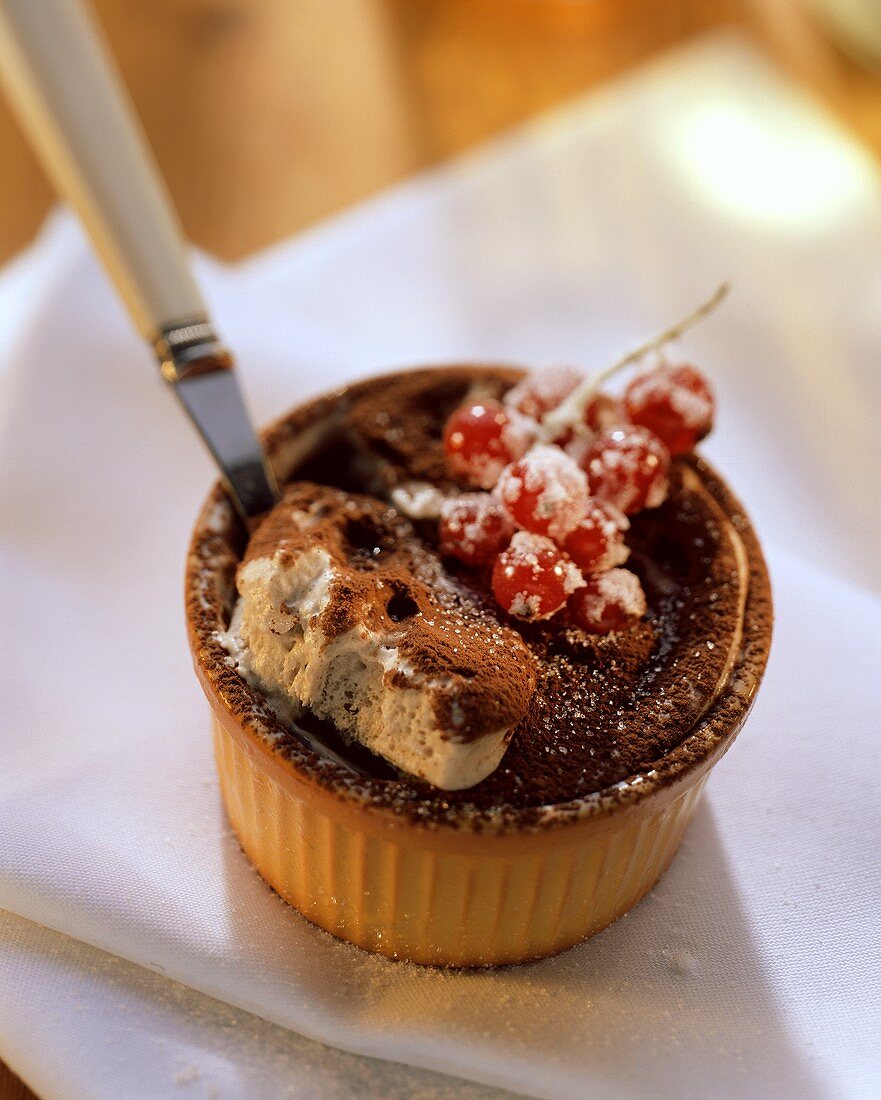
<point>446,902</point>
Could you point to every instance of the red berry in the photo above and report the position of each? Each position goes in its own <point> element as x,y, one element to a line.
<point>597,543</point>
<point>542,390</point>
<point>627,468</point>
<point>480,440</point>
<point>473,528</point>
<point>545,492</point>
<point>608,601</point>
<point>675,402</point>
<point>533,578</point>
<point>603,412</point>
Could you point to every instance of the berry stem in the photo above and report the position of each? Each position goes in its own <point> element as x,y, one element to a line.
<point>570,412</point>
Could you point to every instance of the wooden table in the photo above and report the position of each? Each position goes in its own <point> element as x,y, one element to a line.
<point>266,116</point>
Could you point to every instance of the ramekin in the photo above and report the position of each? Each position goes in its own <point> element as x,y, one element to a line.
<point>472,891</point>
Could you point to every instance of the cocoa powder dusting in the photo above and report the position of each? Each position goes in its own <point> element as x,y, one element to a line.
<point>400,424</point>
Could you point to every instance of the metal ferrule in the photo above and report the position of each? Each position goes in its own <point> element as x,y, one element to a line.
<point>199,369</point>
<point>188,349</point>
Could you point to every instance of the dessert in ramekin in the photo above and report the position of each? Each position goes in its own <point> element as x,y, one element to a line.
<point>419,758</point>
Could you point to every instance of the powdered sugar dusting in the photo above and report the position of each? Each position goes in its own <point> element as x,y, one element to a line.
<point>518,434</point>
<point>572,578</point>
<point>484,469</point>
<point>624,588</point>
<point>525,606</point>
<point>526,548</point>
<point>417,499</point>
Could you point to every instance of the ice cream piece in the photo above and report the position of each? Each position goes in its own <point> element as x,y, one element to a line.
<point>345,611</point>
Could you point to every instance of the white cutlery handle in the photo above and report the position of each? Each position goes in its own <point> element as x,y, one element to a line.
<point>70,99</point>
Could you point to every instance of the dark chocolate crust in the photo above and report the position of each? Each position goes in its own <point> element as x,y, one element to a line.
<point>612,718</point>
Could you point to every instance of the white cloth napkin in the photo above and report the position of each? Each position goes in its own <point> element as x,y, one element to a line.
<point>753,967</point>
<point>81,1023</point>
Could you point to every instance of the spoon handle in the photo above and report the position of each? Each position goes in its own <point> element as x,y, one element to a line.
<point>72,104</point>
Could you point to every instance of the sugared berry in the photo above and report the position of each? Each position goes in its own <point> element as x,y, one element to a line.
<point>597,543</point>
<point>473,527</point>
<point>533,578</point>
<point>627,467</point>
<point>542,390</point>
<point>674,402</point>
<point>481,439</point>
<point>601,413</point>
<point>545,492</point>
<point>609,601</point>
<point>604,411</point>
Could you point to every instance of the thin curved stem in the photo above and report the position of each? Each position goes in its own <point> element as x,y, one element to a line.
<point>571,411</point>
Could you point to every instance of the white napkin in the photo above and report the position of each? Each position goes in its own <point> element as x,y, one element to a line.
<point>753,966</point>
<point>81,1023</point>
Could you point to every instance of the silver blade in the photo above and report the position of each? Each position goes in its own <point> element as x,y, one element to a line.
<point>201,372</point>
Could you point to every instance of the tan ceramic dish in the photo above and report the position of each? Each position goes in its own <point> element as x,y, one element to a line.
<point>474,891</point>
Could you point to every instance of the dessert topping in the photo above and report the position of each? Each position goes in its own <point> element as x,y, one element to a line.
<point>675,402</point>
<point>545,492</point>
<point>480,440</point>
<point>603,411</point>
<point>533,578</point>
<point>542,390</point>
<point>567,463</point>
<point>571,411</point>
<point>597,543</point>
<point>474,528</point>
<point>627,467</point>
<point>345,611</point>
<point>609,601</point>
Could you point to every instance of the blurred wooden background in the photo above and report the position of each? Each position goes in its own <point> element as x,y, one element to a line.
<point>267,115</point>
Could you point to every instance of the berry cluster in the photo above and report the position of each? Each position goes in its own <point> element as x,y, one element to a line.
<point>558,490</point>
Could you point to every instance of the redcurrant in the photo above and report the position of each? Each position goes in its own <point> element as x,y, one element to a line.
<point>597,542</point>
<point>627,467</point>
<point>545,492</point>
<point>603,412</point>
<point>481,439</point>
<point>609,601</point>
<point>675,402</point>
<point>473,528</point>
<point>533,578</point>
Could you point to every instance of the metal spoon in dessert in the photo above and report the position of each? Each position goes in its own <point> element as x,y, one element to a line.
<point>72,104</point>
